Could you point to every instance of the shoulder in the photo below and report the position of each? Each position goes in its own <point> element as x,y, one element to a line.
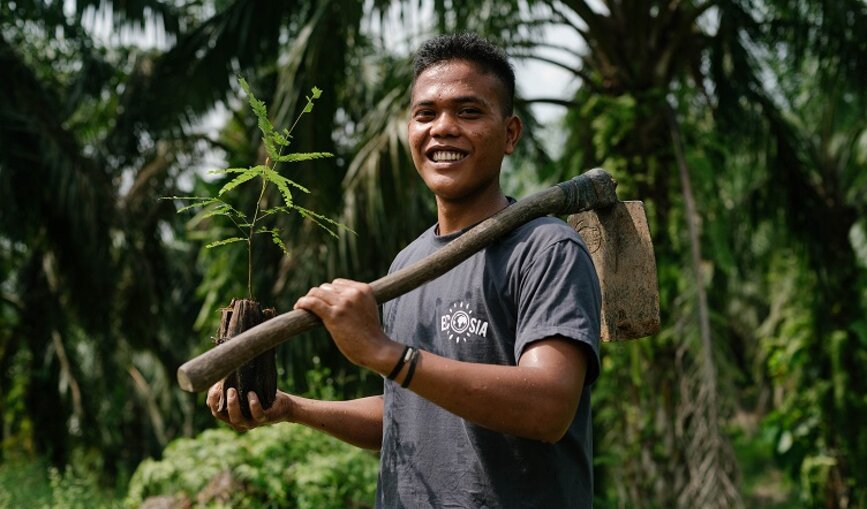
<point>545,244</point>
<point>541,234</point>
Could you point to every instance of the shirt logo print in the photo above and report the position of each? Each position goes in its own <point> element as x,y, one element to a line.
<point>460,324</point>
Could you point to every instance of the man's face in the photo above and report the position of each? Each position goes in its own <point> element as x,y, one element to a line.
<point>457,130</point>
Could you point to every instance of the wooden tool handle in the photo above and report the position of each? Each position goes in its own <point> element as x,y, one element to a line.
<point>591,190</point>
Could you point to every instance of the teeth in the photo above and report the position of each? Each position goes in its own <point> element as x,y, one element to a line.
<point>443,155</point>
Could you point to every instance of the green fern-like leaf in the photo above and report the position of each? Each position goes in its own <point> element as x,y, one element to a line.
<point>270,148</point>
<point>192,206</point>
<point>200,201</point>
<point>270,137</point>
<point>202,198</point>
<point>275,238</point>
<point>224,242</point>
<point>323,221</point>
<point>235,212</point>
<point>251,173</point>
<point>280,139</point>
<point>258,107</point>
<point>283,184</point>
<point>227,171</point>
<point>303,156</point>
<point>276,210</point>
<point>275,143</point>
<point>276,178</point>
<point>223,209</point>
<point>316,93</point>
<point>286,193</point>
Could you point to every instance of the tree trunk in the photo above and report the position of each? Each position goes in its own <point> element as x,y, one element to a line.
<point>260,374</point>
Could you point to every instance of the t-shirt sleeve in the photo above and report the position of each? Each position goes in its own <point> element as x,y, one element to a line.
<point>559,295</point>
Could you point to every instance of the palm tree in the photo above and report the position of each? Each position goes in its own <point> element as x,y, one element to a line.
<point>105,283</point>
<point>89,268</point>
<point>649,68</point>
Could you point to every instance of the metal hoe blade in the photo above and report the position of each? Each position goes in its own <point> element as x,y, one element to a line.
<point>619,243</point>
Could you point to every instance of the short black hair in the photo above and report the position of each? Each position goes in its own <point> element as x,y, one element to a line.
<point>473,48</point>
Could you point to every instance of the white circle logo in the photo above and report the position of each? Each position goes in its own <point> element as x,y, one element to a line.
<point>460,322</point>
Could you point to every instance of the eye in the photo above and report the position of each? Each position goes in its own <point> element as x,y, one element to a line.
<point>470,112</point>
<point>423,115</point>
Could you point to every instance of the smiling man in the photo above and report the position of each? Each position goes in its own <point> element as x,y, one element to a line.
<point>486,401</point>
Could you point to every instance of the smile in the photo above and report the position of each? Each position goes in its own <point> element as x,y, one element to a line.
<point>446,156</point>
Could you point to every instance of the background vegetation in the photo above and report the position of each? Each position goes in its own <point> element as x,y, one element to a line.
<point>740,123</point>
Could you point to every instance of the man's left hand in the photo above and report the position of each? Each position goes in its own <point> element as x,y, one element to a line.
<point>349,311</point>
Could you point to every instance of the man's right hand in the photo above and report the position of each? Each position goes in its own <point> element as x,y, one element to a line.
<point>280,411</point>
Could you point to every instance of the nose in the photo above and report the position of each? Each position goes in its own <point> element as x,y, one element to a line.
<point>445,124</point>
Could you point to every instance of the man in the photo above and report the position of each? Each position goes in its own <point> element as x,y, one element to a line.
<point>486,401</point>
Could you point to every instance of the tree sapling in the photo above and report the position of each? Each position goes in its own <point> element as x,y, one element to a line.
<point>260,374</point>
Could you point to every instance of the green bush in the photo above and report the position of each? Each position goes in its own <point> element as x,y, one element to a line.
<point>30,482</point>
<point>285,465</point>
<point>24,483</point>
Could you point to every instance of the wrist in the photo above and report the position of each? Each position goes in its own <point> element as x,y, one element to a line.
<point>299,411</point>
<point>385,357</point>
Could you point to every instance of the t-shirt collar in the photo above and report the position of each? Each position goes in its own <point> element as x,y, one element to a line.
<point>445,239</point>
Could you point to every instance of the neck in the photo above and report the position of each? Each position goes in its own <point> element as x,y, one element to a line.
<point>455,215</point>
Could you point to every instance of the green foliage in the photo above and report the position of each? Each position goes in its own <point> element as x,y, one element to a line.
<point>27,482</point>
<point>771,148</point>
<point>275,143</point>
<point>76,489</point>
<point>765,485</point>
<point>813,389</point>
<point>284,465</point>
<point>24,483</point>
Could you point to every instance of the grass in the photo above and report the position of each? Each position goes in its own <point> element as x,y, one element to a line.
<point>32,483</point>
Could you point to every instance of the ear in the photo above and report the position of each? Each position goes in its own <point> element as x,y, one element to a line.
<point>514,127</point>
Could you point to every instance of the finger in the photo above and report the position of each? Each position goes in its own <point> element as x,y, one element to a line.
<point>344,284</point>
<point>313,304</point>
<point>213,398</point>
<point>256,409</point>
<point>215,395</point>
<point>344,281</point>
<point>318,306</point>
<point>326,292</point>
<point>236,418</point>
<point>312,292</point>
<point>354,289</point>
<point>316,299</point>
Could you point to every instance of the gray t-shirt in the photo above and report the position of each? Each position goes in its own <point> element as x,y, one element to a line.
<point>535,283</point>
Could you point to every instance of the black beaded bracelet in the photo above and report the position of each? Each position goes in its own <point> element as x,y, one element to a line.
<point>404,356</point>
<point>412,362</point>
